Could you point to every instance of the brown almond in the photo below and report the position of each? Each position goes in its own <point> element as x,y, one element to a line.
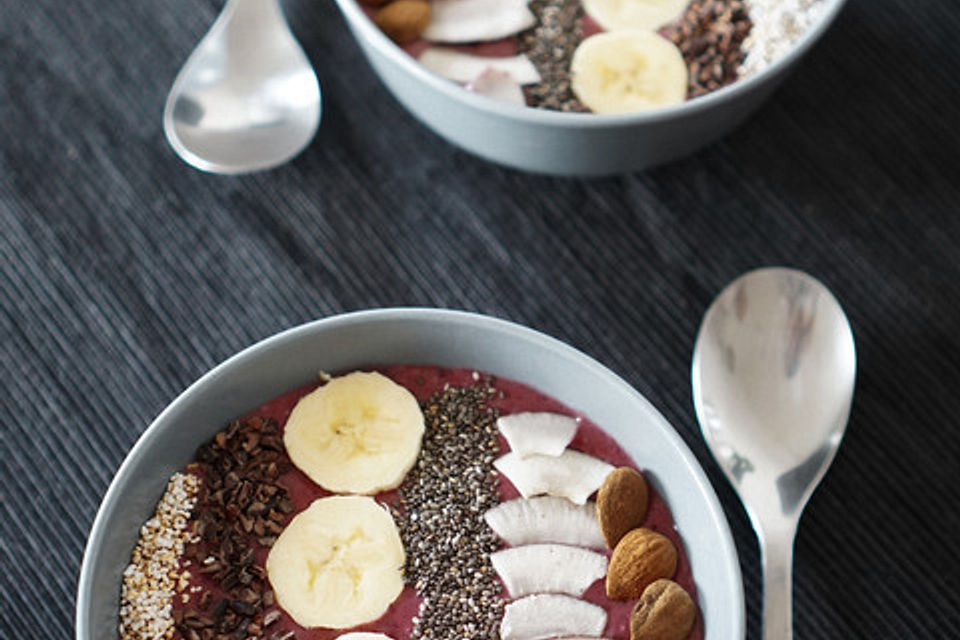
<point>403,20</point>
<point>622,503</point>
<point>665,612</point>
<point>641,557</point>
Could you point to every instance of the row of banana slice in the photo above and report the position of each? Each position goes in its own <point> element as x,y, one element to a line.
<point>339,562</point>
<point>550,561</point>
<point>627,68</point>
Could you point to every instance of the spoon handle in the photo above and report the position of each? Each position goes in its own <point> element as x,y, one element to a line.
<point>776,550</point>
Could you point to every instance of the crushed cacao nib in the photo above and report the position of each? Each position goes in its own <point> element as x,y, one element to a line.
<point>710,35</point>
<point>240,506</point>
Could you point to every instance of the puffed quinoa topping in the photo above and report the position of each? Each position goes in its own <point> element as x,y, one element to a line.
<point>152,579</point>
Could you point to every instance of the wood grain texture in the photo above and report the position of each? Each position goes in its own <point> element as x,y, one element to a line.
<point>125,274</point>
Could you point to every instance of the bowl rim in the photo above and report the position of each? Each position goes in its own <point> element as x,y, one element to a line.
<point>384,46</point>
<point>726,549</point>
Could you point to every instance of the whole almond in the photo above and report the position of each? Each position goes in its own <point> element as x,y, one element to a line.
<point>622,503</point>
<point>665,612</point>
<point>403,20</point>
<point>641,557</point>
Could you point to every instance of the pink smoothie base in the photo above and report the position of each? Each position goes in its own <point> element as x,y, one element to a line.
<point>422,381</point>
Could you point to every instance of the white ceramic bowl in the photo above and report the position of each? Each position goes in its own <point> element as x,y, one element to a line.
<point>395,336</point>
<point>568,143</point>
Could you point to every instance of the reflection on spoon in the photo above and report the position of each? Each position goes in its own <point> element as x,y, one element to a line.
<point>773,375</point>
<point>247,99</point>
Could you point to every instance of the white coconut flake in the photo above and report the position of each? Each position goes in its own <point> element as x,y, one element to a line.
<point>548,568</point>
<point>573,475</point>
<point>498,85</point>
<point>533,432</point>
<point>546,519</point>
<point>464,67</point>
<point>777,26</point>
<point>477,20</point>
<point>551,615</point>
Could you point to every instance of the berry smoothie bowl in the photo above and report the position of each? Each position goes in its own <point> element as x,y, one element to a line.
<point>584,87</point>
<point>454,475</point>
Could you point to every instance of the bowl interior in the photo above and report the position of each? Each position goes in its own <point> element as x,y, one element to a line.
<point>396,336</point>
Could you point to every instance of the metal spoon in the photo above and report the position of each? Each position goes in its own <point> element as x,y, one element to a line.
<point>773,375</point>
<point>247,98</point>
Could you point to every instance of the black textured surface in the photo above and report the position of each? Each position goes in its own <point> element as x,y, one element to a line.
<point>125,274</point>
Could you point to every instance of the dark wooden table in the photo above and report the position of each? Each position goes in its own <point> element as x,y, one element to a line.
<point>125,274</point>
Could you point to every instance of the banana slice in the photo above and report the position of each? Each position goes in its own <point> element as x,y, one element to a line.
<point>359,433</point>
<point>364,635</point>
<point>628,71</point>
<point>634,14</point>
<point>338,564</point>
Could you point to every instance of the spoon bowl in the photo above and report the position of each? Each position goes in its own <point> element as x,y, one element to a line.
<point>773,374</point>
<point>247,98</point>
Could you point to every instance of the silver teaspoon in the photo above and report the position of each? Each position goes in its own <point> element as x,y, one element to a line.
<point>247,98</point>
<point>773,375</point>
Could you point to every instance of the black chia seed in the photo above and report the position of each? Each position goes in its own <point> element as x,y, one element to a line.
<point>550,45</point>
<point>440,517</point>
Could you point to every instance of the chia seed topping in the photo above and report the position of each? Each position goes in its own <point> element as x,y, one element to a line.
<point>550,45</point>
<point>440,517</point>
<point>152,579</point>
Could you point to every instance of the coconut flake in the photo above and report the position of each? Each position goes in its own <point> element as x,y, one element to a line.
<point>546,519</point>
<point>498,85</point>
<point>573,475</point>
<point>542,432</point>
<point>551,615</point>
<point>477,20</point>
<point>465,67</point>
<point>548,568</point>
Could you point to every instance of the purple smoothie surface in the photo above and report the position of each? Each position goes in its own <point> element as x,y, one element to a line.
<point>512,397</point>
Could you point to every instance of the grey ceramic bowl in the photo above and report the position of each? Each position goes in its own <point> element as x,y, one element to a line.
<point>394,336</point>
<point>568,143</point>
